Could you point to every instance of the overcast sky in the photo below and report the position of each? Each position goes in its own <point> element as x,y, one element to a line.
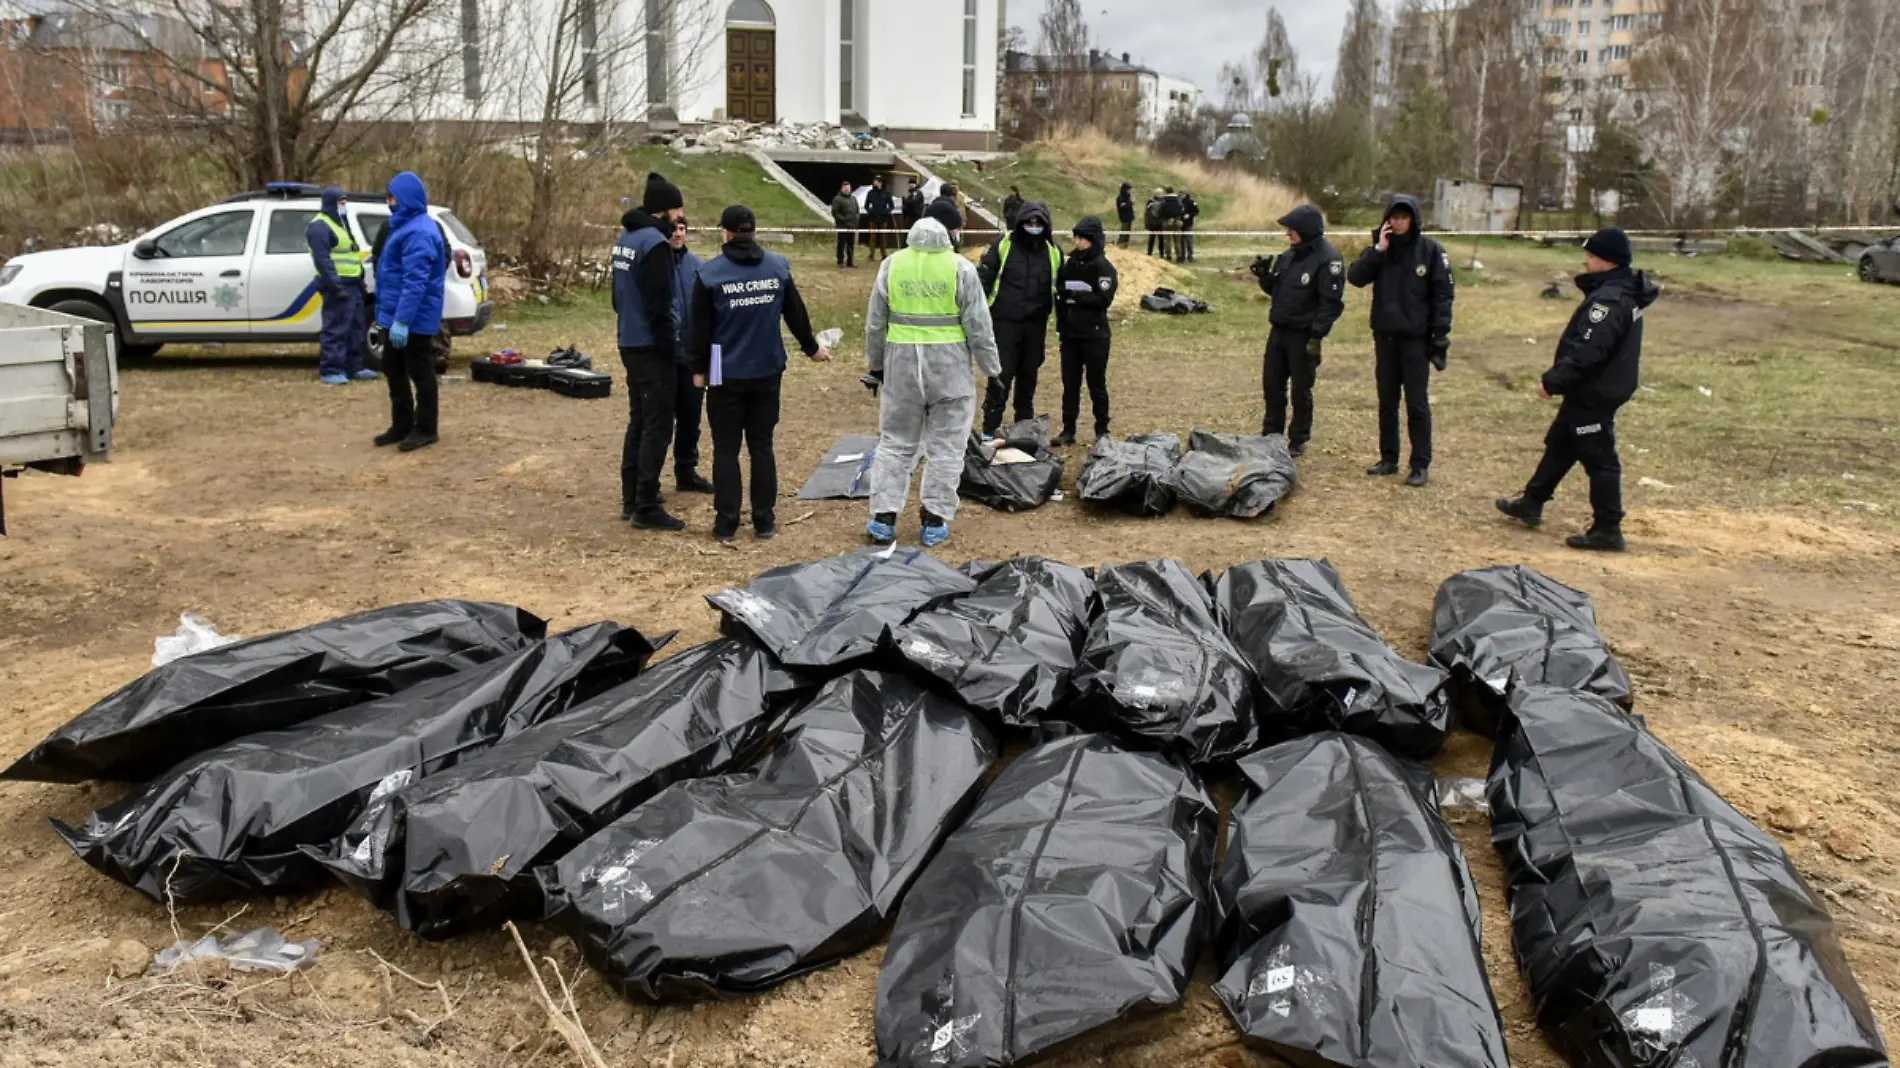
<point>1192,38</point>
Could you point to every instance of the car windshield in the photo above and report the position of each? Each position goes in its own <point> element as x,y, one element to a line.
<point>461,232</point>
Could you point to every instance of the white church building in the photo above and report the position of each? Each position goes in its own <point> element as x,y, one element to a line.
<point>924,71</point>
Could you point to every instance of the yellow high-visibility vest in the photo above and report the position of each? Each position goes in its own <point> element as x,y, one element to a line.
<point>1002,262</point>
<point>923,299</point>
<point>346,256</point>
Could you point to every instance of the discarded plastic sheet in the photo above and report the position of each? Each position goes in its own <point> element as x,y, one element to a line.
<point>1008,479</point>
<point>1234,477</point>
<point>455,852</point>
<point>1135,476</point>
<point>229,821</point>
<point>827,613</point>
<point>275,681</point>
<point>193,635</point>
<point>1654,924</point>
<point>1349,928</point>
<point>260,950</point>
<point>1321,666</point>
<point>1491,625</point>
<point>844,473</point>
<point>1009,647</point>
<point>1156,669</point>
<point>740,882</point>
<point>1075,894</point>
<point>1462,793</point>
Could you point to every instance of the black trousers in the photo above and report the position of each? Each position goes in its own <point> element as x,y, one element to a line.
<point>1084,358</point>
<point>1022,347</point>
<point>1187,241</point>
<point>1287,364</point>
<point>410,372</point>
<point>651,398</point>
<point>1404,367</point>
<point>744,411</point>
<point>879,240</point>
<point>1155,240</point>
<point>688,402</point>
<point>1127,225</point>
<point>847,246</point>
<point>1586,438</point>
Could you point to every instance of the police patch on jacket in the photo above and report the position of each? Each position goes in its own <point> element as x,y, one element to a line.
<point>1339,267</point>
<point>1104,284</point>
<point>1599,312</point>
<point>1420,271</point>
<point>1306,279</point>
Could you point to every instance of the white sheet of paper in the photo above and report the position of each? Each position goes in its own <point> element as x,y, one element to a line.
<point>849,458</point>
<point>1008,455</point>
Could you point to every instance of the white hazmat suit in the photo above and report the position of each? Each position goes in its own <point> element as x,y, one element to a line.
<point>929,394</point>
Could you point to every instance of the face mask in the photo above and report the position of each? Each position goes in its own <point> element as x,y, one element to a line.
<point>1033,231</point>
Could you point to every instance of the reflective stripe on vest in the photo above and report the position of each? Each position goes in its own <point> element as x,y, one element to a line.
<point>923,299</point>
<point>345,257</point>
<point>1002,263</point>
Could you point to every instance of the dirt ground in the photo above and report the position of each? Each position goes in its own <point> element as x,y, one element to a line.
<point>1761,626</point>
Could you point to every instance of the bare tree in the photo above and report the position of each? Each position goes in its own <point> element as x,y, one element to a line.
<point>1256,82</point>
<point>1704,70</point>
<point>576,76</point>
<point>280,88</point>
<point>1361,43</point>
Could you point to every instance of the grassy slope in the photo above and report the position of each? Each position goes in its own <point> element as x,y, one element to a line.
<point>712,182</point>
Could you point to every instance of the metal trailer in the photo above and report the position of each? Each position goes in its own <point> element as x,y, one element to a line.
<point>59,393</point>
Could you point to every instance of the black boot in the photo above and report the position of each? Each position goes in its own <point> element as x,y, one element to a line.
<point>418,439</point>
<point>1065,439</point>
<point>1530,513</point>
<point>692,482</point>
<point>1599,539</point>
<point>1382,469</point>
<point>1417,478</point>
<point>1297,448</point>
<point>392,436</point>
<point>655,517</point>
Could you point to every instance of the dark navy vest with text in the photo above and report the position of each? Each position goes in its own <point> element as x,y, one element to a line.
<point>630,254</point>
<point>748,301</point>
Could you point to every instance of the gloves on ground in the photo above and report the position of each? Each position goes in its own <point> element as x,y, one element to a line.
<point>399,336</point>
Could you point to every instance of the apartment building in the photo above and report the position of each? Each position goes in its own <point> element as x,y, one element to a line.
<point>1588,45</point>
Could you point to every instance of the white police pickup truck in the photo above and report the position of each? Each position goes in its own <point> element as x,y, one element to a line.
<point>236,271</point>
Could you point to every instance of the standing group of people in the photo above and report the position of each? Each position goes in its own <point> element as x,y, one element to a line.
<point>873,222</point>
<point>1169,218</point>
<point>932,314</point>
<point>699,335</point>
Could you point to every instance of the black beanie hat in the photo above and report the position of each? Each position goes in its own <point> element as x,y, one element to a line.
<point>661,195</point>
<point>738,219</point>
<point>1091,228</point>
<point>1610,244</point>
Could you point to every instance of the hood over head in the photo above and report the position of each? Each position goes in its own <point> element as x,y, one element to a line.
<point>1402,204</point>
<point>928,235</point>
<point>1091,228</point>
<point>1305,221</point>
<point>1128,187</point>
<point>412,197</point>
<point>333,201</point>
<point>1032,211</point>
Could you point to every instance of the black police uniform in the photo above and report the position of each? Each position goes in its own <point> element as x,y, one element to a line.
<point>1085,290</point>
<point>1125,212</point>
<point>1596,373</point>
<point>1412,292</point>
<point>1022,297</point>
<point>1307,284</point>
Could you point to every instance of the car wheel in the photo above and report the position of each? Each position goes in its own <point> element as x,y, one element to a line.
<point>1868,272</point>
<point>99,313</point>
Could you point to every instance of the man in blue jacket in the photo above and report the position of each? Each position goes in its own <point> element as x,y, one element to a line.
<point>739,357</point>
<point>690,399</point>
<point>339,262</point>
<point>643,294</point>
<point>410,275</point>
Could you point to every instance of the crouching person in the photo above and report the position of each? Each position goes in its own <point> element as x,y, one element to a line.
<point>927,318</point>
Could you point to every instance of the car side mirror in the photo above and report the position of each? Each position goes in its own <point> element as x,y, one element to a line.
<point>146,249</point>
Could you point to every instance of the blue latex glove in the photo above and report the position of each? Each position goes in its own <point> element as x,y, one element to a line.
<point>399,336</point>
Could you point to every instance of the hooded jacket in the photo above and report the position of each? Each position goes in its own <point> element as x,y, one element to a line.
<point>944,210</point>
<point>1599,358</point>
<point>643,286</point>
<point>1086,287</point>
<point>914,203</point>
<point>1125,204</point>
<point>942,367</point>
<point>414,263</point>
<point>1024,282</point>
<point>739,299</point>
<point>322,241</point>
<point>1412,284</point>
<point>1308,281</point>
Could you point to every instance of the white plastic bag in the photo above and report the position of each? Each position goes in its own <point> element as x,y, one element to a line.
<point>194,635</point>
<point>829,337</point>
<point>262,950</point>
